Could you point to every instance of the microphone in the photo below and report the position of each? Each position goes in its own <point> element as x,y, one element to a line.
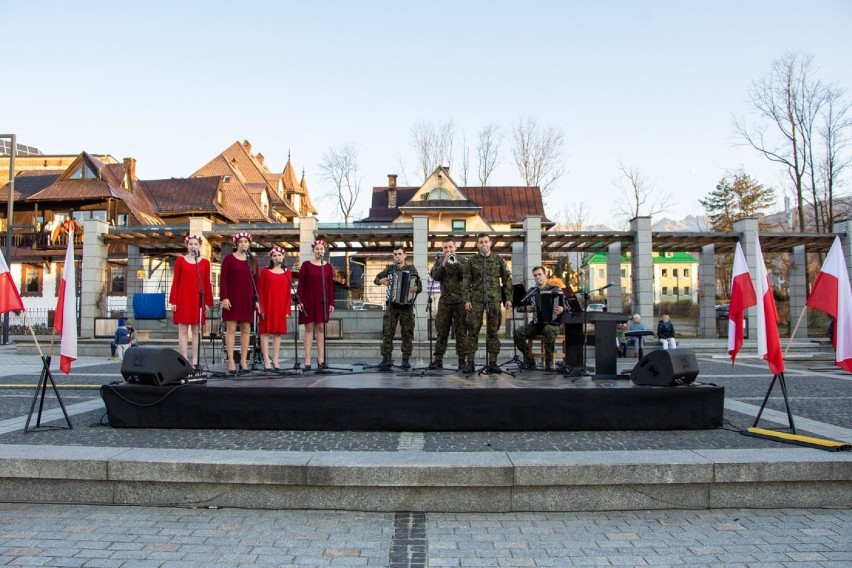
<point>530,294</point>
<point>397,260</point>
<point>196,252</point>
<point>484,249</point>
<point>607,286</point>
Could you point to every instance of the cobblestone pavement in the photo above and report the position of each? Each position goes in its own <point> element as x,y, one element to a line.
<point>92,536</point>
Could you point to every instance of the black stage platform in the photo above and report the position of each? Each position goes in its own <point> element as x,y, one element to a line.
<point>414,401</point>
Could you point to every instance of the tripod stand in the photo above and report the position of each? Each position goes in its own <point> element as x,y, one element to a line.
<point>515,359</point>
<point>41,390</point>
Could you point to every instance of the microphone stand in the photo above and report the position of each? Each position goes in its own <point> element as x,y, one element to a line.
<point>325,318</point>
<point>256,355</point>
<point>515,359</point>
<point>487,368</point>
<point>199,339</point>
<point>295,316</point>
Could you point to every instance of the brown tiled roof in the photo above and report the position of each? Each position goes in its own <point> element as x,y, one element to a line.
<point>308,206</point>
<point>29,182</point>
<point>508,204</point>
<point>181,196</point>
<point>500,204</point>
<point>240,206</point>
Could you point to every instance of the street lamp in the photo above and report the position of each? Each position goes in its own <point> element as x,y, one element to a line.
<point>9,217</point>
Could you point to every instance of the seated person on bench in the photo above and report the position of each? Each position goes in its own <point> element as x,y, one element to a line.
<point>538,327</point>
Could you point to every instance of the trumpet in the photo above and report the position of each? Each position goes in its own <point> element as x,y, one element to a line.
<point>450,259</point>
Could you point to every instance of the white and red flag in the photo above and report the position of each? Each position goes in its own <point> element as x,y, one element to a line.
<point>65,322</point>
<point>742,297</point>
<point>10,298</point>
<point>832,294</point>
<point>768,340</point>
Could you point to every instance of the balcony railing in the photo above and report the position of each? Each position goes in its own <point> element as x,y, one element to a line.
<point>30,238</point>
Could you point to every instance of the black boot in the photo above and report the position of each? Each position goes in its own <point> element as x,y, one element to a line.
<point>468,368</point>
<point>406,366</point>
<point>491,367</point>
<point>436,364</point>
<point>385,365</point>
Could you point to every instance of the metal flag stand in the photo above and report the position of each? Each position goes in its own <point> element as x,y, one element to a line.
<point>41,388</point>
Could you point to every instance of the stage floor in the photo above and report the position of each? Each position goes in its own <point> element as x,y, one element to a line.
<point>356,398</point>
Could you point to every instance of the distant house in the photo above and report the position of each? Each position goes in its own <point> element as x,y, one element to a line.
<point>450,209</point>
<point>675,275</point>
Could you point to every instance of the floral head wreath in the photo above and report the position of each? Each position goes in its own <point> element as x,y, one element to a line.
<point>275,249</point>
<point>323,243</point>
<point>188,238</point>
<point>242,235</point>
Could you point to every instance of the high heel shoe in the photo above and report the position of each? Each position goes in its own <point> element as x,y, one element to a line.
<point>232,371</point>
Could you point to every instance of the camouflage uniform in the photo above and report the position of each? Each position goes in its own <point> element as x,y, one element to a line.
<point>395,313</point>
<point>451,312</point>
<point>477,271</point>
<point>532,329</point>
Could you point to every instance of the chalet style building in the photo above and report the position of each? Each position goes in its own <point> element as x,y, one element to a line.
<point>450,209</point>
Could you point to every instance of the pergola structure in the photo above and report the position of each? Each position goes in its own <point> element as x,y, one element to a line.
<point>527,246</point>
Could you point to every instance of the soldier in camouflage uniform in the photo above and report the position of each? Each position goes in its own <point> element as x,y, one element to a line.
<point>483,270</point>
<point>549,331</point>
<point>451,312</point>
<point>404,314</point>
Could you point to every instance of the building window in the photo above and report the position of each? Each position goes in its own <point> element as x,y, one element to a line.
<point>122,219</point>
<point>226,179</point>
<point>674,272</point>
<point>624,273</point>
<point>117,280</point>
<point>686,290</point>
<point>83,171</point>
<point>676,291</point>
<point>600,273</point>
<point>664,272</point>
<point>32,276</point>
<point>459,225</point>
<point>665,291</point>
<point>686,273</point>
<point>438,194</point>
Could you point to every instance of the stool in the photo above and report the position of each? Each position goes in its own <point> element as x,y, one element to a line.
<point>537,349</point>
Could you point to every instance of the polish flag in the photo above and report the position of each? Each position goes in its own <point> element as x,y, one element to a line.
<point>10,299</point>
<point>832,294</point>
<point>768,341</point>
<point>742,297</point>
<point>65,322</point>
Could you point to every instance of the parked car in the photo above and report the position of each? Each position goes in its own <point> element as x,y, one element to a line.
<point>597,307</point>
<point>722,311</point>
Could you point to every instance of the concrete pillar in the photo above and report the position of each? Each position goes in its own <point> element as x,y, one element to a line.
<point>845,230</point>
<point>93,288</point>
<point>420,260</point>
<point>747,229</point>
<point>642,266</point>
<point>307,234</point>
<point>613,275</point>
<point>522,270</point>
<point>202,226</point>
<point>798,289</point>
<point>135,263</point>
<point>707,291</point>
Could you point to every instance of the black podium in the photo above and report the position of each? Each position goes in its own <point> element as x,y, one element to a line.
<point>605,325</point>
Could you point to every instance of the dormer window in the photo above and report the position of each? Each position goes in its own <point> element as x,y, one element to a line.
<point>439,194</point>
<point>84,172</point>
<point>227,179</point>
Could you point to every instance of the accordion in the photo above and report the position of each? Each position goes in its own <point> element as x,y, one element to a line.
<point>400,288</point>
<point>545,312</point>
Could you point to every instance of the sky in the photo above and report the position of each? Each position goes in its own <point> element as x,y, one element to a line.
<point>652,85</point>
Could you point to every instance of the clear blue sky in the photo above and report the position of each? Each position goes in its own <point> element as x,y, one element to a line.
<point>651,84</point>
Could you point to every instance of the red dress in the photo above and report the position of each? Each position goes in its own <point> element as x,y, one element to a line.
<point>184,292</point>
<point>310,291</point>
<point>236,285</point>
<point>275,298</point>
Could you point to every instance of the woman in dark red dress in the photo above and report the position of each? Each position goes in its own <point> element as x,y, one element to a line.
<point>237,289</point>
<point>315,276</point>
<point>276,284</point>
<point>191,276</point>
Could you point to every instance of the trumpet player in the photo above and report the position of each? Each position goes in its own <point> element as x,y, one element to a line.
<point>449,271</point>
<point>537,327</point>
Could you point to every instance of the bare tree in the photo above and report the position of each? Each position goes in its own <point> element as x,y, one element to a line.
<point>575,216</point>
<point>836,159</point>
<point>538,153</point>
<point>339,167</point>
<point>488,151</point>
<point>433,145</point>
<point>638,196</point>
<point>789,100</point>
<point>465,160</point>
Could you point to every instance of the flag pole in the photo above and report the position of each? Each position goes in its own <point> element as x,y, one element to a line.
<point>32,333</point>
<point>795,329</point>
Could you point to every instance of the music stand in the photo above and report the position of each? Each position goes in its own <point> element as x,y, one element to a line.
<point>639,334</point>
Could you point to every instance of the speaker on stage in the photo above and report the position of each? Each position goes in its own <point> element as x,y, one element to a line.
<point>154,366</point>
<point>666,368</point>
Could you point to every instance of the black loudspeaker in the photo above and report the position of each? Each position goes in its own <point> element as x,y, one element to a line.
<point>666,368</point>
<point>154,366</point>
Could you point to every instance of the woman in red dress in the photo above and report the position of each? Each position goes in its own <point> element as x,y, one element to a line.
<point>276,284</point>
<point>315,276</point>
<point>191,279</point>
<point>237,291</point>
